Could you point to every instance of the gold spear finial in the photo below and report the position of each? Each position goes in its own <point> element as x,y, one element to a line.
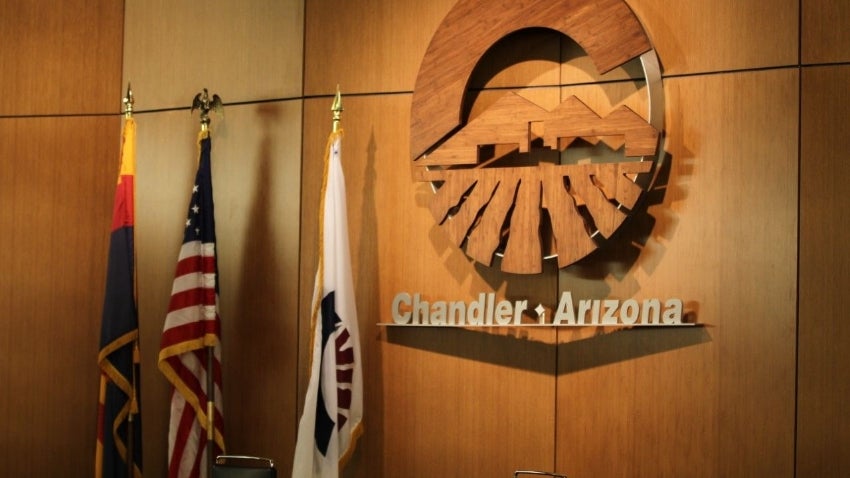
<point>128,102</point>
<point>336,107</point>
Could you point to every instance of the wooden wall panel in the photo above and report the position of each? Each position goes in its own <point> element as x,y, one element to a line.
<point>697,36</point>
<point>367,46</point>
<point>732,184</point>
<point>60,57</point>
<point>825,37</point>
<point>527,58</point>
<point>58,178</point>
<point>165,166</point>
<point>721,233</point>
<point>174,49</point>
<point>258,206</point>
<point>823,426</point>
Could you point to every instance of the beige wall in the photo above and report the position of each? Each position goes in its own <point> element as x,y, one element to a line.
<point>250,57</point>
<point>746,227</point>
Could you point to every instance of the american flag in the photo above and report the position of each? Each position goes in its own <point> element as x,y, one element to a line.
<point>192,330</point>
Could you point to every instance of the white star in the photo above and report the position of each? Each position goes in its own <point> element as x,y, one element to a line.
<point>194,189</point>
<point>195,209</point>
<point>188,222</point>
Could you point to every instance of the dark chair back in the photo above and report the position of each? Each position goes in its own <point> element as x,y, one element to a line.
<point>240,466</point>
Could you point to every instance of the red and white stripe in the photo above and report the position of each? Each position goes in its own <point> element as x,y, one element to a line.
<point>192,326</point>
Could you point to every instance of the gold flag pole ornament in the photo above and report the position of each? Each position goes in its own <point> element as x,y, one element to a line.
<point>337,109</point>
<point>128,101</point>
<point>204,104</point>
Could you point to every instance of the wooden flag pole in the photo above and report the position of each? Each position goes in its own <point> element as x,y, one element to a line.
<point>210,411</point>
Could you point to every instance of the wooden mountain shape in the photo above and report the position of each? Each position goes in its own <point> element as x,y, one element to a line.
<point>573,119</point>
<point>508,122</point>
<point>505,122</point>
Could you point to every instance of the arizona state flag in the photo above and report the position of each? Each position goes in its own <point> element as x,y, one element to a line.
<point>333,407</point>
<point>119,428</point>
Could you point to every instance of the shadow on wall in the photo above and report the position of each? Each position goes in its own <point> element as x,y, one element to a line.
<point>603,349</point>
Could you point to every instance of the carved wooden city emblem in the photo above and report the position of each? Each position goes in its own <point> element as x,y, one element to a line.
<point>492,208</point>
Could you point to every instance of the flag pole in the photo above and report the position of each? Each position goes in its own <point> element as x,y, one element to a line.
<point>128,101</point>
<point>204,103</point>
<point>210,412</point>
